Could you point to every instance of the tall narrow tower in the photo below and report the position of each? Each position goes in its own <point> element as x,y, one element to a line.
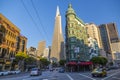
<point>57,49</point>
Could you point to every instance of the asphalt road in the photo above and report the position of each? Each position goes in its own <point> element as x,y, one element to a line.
<point>55,75</point>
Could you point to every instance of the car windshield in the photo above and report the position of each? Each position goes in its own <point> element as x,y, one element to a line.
<point>98,69</point>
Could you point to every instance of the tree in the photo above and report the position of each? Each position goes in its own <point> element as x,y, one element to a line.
<point>99,60</point>
<point>62,62</point>
<point>30,60</point>
<point>44,62</point>
<point>54,64</point>
<point>19,60</point>
<point>20,56</point>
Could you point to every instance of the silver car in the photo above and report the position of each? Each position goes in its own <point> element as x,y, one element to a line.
<point>35,72</point>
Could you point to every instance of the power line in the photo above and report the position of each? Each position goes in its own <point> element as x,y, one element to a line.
<point>39,19</point>
<point>31,18</point>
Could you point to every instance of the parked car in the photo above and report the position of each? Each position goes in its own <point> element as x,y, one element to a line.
<point>2,73</point>
<point>35,72</point>
<point>17,71</point>
<point>11,72</point>
<point>14,72</point>
<point>99,72</point>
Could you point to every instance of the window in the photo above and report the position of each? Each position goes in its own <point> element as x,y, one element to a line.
<point>72,39</point>
<point>72,32</point>
<point>72,46</point>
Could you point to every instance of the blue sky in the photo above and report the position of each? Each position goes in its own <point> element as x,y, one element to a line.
<point>41,27</point>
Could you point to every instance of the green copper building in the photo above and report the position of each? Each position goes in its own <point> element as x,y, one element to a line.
<point>76,37</point>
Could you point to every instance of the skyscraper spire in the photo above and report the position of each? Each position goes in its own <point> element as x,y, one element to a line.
<point>57,48</point>
<point>57,12</point>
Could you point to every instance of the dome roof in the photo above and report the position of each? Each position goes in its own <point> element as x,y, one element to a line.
<point>70,10</point>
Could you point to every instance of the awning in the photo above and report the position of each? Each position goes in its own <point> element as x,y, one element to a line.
<point>71,63</point>
<point>85,63</point>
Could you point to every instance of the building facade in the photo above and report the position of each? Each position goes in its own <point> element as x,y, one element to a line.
<point>57,48</point>
<point>9,42</point>
<point>93,32</point>
<point>41,48</point>
<point>32,52</point>
<point>76,37</point>
<point>46,53</point>
<point>21,43</point>
<point>110,39</point>
<point>116,52</point>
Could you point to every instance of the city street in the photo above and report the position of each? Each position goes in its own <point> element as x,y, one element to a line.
<point>55,75</point>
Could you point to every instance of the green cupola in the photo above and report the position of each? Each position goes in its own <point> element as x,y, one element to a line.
<point>70,10</point>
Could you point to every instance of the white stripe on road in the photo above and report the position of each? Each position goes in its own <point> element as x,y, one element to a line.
<point>45,79</point>
<point>69,77</point>
<point>87,76</point>
<point>111,75</point>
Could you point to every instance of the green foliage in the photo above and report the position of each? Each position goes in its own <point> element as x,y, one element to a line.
<point>44,61</point>
<point>30,60</point>
<point>62,62</point>
<point>20,56</point>
<point>54,64</point>
<point>99,60</point>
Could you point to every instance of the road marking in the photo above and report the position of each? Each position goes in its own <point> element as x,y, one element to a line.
<point>87,76</point>
<point>110,75</point>
<point>45,79</point>
<point>69,77</point>
<point>116,78</point>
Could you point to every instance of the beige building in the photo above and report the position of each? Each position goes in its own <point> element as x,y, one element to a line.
<point>93,32</point>
<point>110,40</point>
<point>46,53</point>
<point>115,50</point>
<point>32,52</point>
<point>41,47</point>
<point>57,52</point>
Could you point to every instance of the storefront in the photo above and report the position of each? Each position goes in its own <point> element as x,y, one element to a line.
<point>2,62</point>
<point>80,66</point>
<point>71,67</point>
<point>7,65</point>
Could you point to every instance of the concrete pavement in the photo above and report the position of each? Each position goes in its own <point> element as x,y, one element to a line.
<point>55,75</point>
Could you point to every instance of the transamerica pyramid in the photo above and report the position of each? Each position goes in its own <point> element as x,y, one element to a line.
<point>57,49</point>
